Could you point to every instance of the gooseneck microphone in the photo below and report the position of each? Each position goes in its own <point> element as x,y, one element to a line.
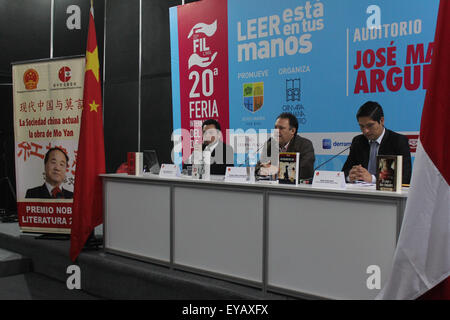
<point>253,153</point>
<point>332,158</point>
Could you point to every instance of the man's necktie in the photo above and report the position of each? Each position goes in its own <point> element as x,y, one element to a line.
<point>55,192</point>
<point>372,167</point>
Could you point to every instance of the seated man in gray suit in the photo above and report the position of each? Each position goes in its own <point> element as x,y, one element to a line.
<point>288,141</point>
<point>56,162</point>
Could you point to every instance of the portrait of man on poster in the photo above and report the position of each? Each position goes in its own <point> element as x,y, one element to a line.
<point>56,162</point>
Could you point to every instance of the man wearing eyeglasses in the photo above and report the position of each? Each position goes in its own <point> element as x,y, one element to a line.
<point>374,140</point>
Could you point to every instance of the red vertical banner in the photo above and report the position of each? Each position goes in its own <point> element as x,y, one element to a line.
<point>88,191</point>
<point>203,53</point>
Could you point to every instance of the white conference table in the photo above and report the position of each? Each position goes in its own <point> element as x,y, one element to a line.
<point>297,240</point>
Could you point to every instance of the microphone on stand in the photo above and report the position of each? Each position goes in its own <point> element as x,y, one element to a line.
<point>248,152</point>
<point>332,158</point>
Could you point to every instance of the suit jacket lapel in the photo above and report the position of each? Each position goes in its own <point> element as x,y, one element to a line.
<point>291,146</point>
<point>45,190</point>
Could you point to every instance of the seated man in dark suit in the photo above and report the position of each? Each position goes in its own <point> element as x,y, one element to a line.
<point>375,139</point>
<point>56,162</point>
<point>288,141</point>
<point>222,155</point>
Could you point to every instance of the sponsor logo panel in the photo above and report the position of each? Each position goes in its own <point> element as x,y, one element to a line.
<point>331,143</point>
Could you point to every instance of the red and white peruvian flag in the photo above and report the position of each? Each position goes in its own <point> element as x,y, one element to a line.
<point>422,259</point>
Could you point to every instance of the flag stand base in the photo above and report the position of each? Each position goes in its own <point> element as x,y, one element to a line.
<point>53,236</point>
<point>93,243</point>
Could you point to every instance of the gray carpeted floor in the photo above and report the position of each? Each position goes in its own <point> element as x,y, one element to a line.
<point>108,276</point>
<point>33,286</point>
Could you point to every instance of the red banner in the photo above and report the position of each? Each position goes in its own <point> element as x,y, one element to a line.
<point>56,216</point>
<point>203,53</point>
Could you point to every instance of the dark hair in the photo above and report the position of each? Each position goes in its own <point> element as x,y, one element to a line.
<point>372,110</point>
<point>293,122</point>
<point>53,149</point>
<point>212,121</point>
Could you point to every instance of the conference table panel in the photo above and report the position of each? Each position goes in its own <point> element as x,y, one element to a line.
<point>323,246</point>
<point>137,222</point>
<point>220,231</point>
<point>298,240</point>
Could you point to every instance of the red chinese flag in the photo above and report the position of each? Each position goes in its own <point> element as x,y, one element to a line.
<point>87,210</point>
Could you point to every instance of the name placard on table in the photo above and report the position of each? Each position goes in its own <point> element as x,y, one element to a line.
<point>236,174</point>
<point>169,171</point>
<point>329,179</point>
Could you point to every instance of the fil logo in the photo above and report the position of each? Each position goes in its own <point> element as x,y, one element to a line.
<point>202,54</point>
<point>326,144</point>
<point>253,94</point>
<point>292,89</point>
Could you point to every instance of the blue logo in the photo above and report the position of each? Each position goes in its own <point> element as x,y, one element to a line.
<point>292,89</point>
<point>326,143</point>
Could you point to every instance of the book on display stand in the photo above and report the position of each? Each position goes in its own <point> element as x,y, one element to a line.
<point>389,173</point>
<point>288,168</point>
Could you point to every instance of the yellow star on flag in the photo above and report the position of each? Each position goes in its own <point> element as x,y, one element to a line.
<point>93,106</point>
<point>92,62</point>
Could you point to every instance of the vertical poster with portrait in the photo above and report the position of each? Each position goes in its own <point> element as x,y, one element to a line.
<point>48,100</point>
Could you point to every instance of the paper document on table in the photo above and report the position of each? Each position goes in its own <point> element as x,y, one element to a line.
<point>361,185</point>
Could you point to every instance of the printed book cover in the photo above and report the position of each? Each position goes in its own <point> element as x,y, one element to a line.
<point>389,173</point>
<point>288,168</point>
